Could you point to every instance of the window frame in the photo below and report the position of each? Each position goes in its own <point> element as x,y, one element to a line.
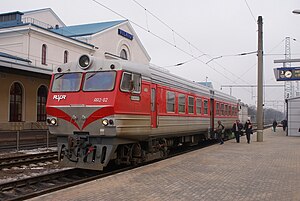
<point>132,79</point>
<point>91,72</point>
<point>41,114</point>
<point>199,106</point>
<point>15,105</point>
<point>191,106</point>
<point>168,102</point>
<point>205,107</point>
<point>44,54</point>
<point>79,88</point>
<point>66,56</point>
<point>180,98</point>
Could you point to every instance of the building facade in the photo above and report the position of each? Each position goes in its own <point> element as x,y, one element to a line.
<point>293,113</point>
<point>34,43</point>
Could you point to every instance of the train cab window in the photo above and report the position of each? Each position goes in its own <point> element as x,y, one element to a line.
<point>170,101</point>
<point>198,105</point>
<point>67,82</point>
<point>99,81</point>
<point>181,103</point>
<point>217,108</point>
<point>191,105</point>
<point>205,103</point>
<point>131,82</point>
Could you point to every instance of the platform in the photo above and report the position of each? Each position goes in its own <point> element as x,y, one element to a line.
<point>268,170</point>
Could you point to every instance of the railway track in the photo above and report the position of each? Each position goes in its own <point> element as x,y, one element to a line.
<point>24,160</point>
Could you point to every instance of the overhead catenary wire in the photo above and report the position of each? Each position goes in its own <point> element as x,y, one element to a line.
<point>191,45</point>
<point>159,37</point>
<point>250,11</point>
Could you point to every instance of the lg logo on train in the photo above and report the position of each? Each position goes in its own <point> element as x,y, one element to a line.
<point>59,97</point>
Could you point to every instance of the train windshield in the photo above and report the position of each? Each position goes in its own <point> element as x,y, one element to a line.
<point>67,82</point>
<point>99,81</point>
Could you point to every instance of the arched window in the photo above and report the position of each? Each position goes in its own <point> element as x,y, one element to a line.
<point>16,97</point>
<point>66,55</point>
<point>44,54</point>
<point>123,54</point>
<point>41,103</point>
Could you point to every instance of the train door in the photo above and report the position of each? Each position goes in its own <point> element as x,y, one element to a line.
<point>154,122</point>
<point>212,114</point>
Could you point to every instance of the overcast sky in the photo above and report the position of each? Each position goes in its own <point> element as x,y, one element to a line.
<point>210,27</point>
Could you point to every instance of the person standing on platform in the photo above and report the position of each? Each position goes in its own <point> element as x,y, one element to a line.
<point>219,131</point>
<point>284,124</point>
<point>248,130</point>
<point>237,130</point>
<point>274,125</point>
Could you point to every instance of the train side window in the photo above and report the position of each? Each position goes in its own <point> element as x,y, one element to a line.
<point>226,109</point>
<point>222,109</point>
<point>191,105</point>
<point>131,82</point>
<point>217,109</point>
<point>170,101</point>
<point>181,103</point>
<point>229,110</point>
<point>198,105</point>
<point>205,107</point>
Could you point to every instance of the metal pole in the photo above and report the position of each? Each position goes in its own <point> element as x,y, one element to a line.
<point>47,139</point>
<point>18,140</point>
<point>260,81</point>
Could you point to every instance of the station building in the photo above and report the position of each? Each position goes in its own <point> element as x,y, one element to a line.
<point>293,113</point>
<point>34,43</point>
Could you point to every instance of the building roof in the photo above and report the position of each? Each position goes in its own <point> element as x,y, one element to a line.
<point>86,29</point>
<point>2,54</point>
<point>43,10</point>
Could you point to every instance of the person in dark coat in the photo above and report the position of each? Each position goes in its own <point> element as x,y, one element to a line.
<point>219,131</point>
<point>284,124</point>
<point>248,130</point>
<point>237,130</point>
<point>274,125</point>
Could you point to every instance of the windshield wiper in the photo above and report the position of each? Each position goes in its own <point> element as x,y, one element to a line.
<point>59,76</point>
<point>92,75</point>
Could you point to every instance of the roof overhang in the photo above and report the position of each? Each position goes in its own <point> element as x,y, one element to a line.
<point>14,64</point>
<point>31,27</point>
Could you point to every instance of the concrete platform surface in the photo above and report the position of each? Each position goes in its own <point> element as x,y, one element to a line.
<point>268,170</point>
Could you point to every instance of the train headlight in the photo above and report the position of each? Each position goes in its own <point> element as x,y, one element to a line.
<point>85,62</point>
<point>52,121</point>
<point>105,122</point>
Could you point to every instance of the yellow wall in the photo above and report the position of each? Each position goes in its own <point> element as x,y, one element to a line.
<point>30,87</point>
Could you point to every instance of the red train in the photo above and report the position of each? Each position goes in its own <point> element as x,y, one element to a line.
<point>112,110</point>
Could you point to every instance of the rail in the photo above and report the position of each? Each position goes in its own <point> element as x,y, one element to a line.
<point>19,161</point>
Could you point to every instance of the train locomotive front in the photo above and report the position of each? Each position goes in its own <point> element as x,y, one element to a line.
<point>81,111</point>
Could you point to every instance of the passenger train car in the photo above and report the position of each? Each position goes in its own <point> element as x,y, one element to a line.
<point>113,110</point>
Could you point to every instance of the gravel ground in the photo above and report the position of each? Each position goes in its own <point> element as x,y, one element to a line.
<point>15,173</point>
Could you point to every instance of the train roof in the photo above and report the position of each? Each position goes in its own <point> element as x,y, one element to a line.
<point>149,72</point>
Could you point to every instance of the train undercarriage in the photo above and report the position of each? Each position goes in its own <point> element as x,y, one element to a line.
<point>93,152</point>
